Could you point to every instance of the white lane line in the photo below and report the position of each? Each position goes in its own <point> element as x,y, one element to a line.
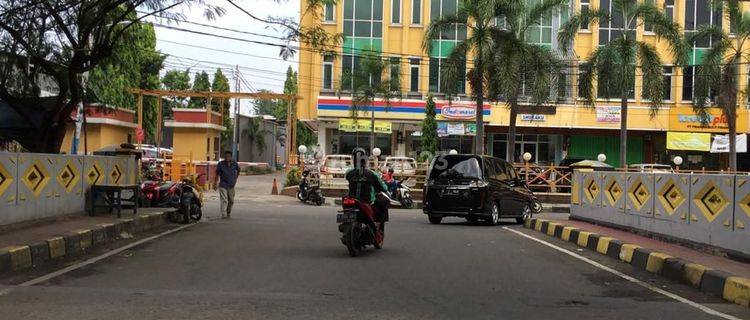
<point>629,278</point>
<point>93,260</point>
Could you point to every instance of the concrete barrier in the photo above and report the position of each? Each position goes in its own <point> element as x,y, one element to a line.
<point>706,209</point>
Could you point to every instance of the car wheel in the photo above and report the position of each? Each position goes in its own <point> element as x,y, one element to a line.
<point>494,218</point>
<point>525,214</point>
<point>434,219</point>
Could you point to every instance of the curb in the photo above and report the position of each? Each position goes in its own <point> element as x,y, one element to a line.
<point>713,282</point>
<point>74,243</point>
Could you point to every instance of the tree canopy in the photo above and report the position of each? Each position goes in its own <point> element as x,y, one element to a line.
<point>201,84</point>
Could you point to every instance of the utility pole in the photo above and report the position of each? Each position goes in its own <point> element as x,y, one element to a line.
<point>236,133</point>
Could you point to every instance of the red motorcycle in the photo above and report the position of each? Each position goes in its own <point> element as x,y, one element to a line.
<point>182,195</point>
<point>359,226</point>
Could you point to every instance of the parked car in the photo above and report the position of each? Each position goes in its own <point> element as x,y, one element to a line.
<point>400,165</point>
<point>651,167</point>
<point>336,164</point>
<point>475,187</point>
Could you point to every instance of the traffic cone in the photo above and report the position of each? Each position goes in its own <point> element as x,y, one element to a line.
<point>275,189</point>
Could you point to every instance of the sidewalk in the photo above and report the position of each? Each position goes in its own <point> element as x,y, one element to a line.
<point>32,246</point>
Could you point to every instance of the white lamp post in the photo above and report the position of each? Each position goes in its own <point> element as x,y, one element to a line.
<point>526,159</point>
<point>302,149</point>
<point>376,153</point>
<point>677,162</point>
<point>526,156</point>
<point>601,157</point>
<point>453,151</point>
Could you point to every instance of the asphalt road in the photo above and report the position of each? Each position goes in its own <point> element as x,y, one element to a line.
<point>278,259</point>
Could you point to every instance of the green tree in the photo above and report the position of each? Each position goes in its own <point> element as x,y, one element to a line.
<point>366,83</point>
<point>135,63</point>
<point>720,69</point>
<point>202,84</point>
<point>271,107</point>
<point>479,41</point>
<point>48,44</point>
<point>429,131</point>
<point>256,133</point>
<point>305,135</point>
<point>221,84</point>
<point>612,65</point>
<point>518,63</point>
<point>175,80</point>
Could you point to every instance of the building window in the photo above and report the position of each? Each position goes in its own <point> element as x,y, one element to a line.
<point>688,74</point>
<point>396,11</point>
<point>612,29</point>
<point>414,74</point>
<point>540,33</point>
<point>328,72</point>
<point>444,45</point>
<point>363,18</point>
<point>416,12</point>
<point>329,12</point>
<point>669,9</point>
<point>585,5</point>
<point>395,75</point>
<point>668,73</point>
<point>698,13</point>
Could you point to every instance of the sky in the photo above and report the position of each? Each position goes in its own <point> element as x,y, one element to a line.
<point>260,65</point>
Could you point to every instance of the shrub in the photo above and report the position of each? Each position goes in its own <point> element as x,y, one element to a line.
<point>292,177</point>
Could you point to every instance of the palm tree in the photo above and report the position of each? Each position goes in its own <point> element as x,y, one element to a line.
<point>613,64</point>
<point>256,133</point>
<point>480,42</point>
<point>720,69</point>
<point>518,63</point>
<point>366,82</point>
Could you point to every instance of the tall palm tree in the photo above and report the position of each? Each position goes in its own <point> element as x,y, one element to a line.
<point>613,65</point>
<point>366,82</point>
<point>518,63</point>
<point>479,42</point>
<point>720,69</point>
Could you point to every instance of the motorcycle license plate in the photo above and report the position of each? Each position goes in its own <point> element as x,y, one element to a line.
<point>346,217</point>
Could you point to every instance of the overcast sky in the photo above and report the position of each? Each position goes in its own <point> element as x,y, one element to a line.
<point>259,64</point>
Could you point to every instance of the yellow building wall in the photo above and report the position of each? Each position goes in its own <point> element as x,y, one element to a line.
<point>97,136</point>
<point>406,40</point>
<point>194,143</point>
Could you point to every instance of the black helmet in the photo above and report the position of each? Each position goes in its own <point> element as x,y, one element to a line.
<point>359,158</point>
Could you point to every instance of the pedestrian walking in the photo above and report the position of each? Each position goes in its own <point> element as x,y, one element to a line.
<point>227,172</point>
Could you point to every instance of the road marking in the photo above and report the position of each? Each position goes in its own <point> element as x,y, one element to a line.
<point>93,260</point>
<point>629,278</point>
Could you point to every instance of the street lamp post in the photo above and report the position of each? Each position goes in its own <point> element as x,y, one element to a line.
<point>302,149</point>
<point>376,153</point>
<point>453,151</point>
<point>677,162</point>
<point>526,159</point>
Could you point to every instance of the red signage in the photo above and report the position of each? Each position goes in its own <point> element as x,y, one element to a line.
<point>140,135</point>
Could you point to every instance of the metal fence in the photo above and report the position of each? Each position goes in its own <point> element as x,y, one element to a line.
<point>711,209</point>
<point>34,186</point>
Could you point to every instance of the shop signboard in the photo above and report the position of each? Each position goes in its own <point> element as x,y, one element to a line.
<point>455,129</point>
<point>471,129</point>
<point>692,141</point>
<point>458,112</point>
<point>685,119</point>
<point>720,143</point>
<point>608,114</point>
<point>533,117</point>
<point>442,129</point>
<point>363,125</point>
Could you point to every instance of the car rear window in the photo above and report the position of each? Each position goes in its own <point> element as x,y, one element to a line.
<point>338,162</point>
<point>456,168</point>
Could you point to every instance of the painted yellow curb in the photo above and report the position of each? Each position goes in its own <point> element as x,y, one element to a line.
<point>737,290</point>
<point>656,261</point>
<point>603,244</point>
<point>20,257</point>
<point>694,273</point>
<point>583,238</point>
<point>84,237</point>
<point>626,252</point>
<point>56,247</point>
<point>527,223</point>
<point>538,225</point>
<point>551,228</point>
<point>566,233</point>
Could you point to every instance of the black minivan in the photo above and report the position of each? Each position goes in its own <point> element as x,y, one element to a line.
<point>475,187</point>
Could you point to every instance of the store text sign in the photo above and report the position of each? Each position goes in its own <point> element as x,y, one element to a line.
<point>685,119</point>
<point>458,112</point>
<point>608,114</point>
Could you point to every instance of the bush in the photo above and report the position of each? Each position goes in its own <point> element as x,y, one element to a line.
<point>255,170</point>
<point>292,177</point>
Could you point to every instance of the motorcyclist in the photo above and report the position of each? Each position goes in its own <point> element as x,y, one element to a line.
<point>365,185</point>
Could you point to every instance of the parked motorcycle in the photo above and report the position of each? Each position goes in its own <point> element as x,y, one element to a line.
<point>183,196</point>
<point>403,195</point>
<point>307,192</point>
<point>357,228</point>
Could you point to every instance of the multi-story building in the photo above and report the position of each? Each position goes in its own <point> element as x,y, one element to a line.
<point>396,28</point>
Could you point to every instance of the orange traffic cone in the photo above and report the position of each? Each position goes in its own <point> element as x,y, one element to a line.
<point>275,189</point>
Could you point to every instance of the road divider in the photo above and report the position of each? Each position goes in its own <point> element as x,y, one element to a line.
<point>707,280</point>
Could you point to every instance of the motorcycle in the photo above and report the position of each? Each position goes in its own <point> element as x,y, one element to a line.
<point>183,196</point>
<point>358,228</point>
<point>402,194</point>
<point>307,192</point>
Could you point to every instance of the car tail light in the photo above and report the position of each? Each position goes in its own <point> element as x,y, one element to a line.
<point>478,184</point>
<point>349,202</point>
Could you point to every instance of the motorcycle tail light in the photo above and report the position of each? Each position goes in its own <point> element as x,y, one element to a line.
<point>150,196</point>
<point>348,202</point>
